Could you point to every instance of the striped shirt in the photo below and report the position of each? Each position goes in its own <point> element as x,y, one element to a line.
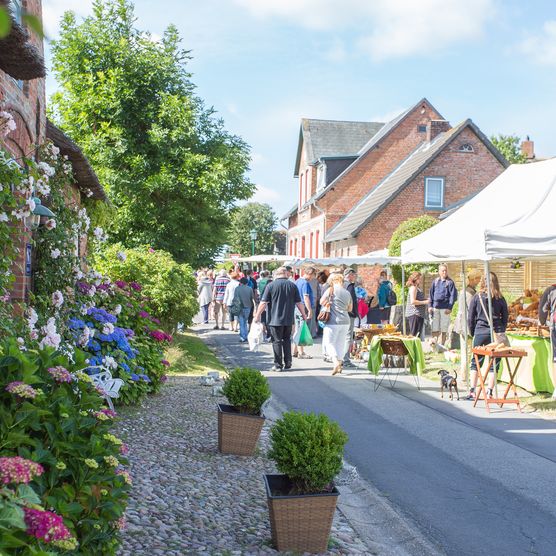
<point>220,287</point>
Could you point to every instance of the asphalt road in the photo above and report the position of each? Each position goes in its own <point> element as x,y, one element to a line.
<point>474,484</point>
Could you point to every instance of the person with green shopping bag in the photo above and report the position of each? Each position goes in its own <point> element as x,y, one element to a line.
<point>306,293</point>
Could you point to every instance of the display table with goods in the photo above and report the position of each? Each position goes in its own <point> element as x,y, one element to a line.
<point>511,359</point>
<point>366,333</point>
<point>535,373</point>
<point>408,348</point>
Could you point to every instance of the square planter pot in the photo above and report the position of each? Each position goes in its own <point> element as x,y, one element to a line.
<point>300,523</point>
<point>238,433</point>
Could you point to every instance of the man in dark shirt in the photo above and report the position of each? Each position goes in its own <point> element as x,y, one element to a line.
<point>281,296</point>
<point>443,294</point>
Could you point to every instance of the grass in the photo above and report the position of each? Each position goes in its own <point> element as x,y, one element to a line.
<point>542,402</point>
<point>188,354</point>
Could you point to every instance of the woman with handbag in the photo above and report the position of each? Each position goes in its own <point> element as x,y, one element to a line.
<point>479,326</point>
<point>336,303</point>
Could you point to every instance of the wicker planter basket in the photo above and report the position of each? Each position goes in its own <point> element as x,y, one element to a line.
<point>237,432</point>
<point>299,523</point>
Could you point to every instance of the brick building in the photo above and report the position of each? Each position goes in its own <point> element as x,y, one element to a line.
<point>359,180</point>
<point>22,94</point>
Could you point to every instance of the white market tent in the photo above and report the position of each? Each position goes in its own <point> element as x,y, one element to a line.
<point>260,259</point>
<point>513,217</point>
<point>374,257</point>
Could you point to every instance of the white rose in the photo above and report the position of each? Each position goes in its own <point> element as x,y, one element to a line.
<point>55,253</point>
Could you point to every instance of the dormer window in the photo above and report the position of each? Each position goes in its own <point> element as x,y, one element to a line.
<point>466,148</point>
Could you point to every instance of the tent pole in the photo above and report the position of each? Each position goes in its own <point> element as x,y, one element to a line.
<point>465,330</point>
<point>403,299</point>
<point>491,321</point>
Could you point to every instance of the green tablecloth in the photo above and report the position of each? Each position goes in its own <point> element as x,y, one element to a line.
<point>534,374</point>
<point>416,358</point>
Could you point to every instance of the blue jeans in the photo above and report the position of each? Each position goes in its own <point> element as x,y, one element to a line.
<point>243,320</point>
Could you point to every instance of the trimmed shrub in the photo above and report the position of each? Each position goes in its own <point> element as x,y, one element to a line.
<point>246,389</point>
<point>406,230</point>
<point>170,287</point>
<point>308,449</point>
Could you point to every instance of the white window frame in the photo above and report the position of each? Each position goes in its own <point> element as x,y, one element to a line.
<point>435,178</point>
<point>321,177</point>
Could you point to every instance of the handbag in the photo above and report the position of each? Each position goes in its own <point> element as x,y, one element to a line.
<point>324,313</point>
<point>499,337</point>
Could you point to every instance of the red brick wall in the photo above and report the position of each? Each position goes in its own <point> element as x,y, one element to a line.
<point>27,105</point>
<point>370,169</point>
<point>464,173</point>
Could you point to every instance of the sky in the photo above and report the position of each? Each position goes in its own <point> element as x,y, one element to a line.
<point>265,64</point>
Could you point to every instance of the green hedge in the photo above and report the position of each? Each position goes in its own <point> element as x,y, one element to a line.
<point>170,286</point>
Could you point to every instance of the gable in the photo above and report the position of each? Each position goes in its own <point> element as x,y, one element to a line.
<point>375,141</point>
<point>388,189</point>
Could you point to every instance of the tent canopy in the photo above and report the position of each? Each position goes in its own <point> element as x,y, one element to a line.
<point>261,259</point>
<point>374,257</point>
<point>512,217</point>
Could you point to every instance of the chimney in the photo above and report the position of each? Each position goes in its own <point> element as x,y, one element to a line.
<point>435,127</point>
<point>528,148</point>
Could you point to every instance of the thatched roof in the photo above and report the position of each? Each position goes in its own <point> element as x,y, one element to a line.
<point>84,174</point>
<point>18,57</point>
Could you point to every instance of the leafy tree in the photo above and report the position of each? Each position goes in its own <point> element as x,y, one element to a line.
<point>252,216</point>
<point>510,147</point>
<point>172,171</point>
<point>406,230</point>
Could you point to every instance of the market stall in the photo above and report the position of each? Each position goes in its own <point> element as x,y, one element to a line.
<point>511,219</point>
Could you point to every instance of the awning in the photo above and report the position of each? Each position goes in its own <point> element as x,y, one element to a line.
<point>512,217</point>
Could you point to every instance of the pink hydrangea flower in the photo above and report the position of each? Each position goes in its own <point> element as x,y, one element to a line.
<point>120,523</point>
<point>124,449</point>
<point>126,476</point>
<point>19,470</point>
<point>60,374</point>
<point>22,390</point>
<point>45,526</point>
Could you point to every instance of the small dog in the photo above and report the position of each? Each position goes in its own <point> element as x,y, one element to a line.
<point>449,382</point>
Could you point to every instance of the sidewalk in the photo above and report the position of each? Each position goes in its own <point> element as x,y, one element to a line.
<point>187,498</point>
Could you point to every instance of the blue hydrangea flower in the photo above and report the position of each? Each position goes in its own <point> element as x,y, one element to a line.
<point>100,315</point>
<point>134,377</point>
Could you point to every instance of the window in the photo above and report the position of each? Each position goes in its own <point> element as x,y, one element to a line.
<point>434,193</point>
<point>295,248</point>
<point>321,176</point>
<point>311,245</point>
<point>466,148</point>
<point>291,247</point>
<point>307,185</point>
<point>17,11</point>
<point>301,191</point>
<point>422,128</point>
<point>317,245</point>
<point>303,247</point>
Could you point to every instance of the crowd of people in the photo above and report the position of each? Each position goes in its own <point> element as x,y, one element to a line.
<point>334,303</point>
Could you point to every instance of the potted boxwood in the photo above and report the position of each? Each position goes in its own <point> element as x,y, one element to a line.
<point>307,449</point>
<point>240,422</point>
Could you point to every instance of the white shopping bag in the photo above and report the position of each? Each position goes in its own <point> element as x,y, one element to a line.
<point>255,337</point>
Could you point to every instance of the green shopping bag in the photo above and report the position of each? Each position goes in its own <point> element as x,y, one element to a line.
<point>305,338</point>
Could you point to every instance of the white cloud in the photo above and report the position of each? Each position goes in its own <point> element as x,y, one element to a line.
<point>54,9</point>
<point>541,48</point>
<point>265,195</point>
<point>384,28</point>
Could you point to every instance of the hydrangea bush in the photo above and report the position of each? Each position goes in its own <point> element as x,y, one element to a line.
<point>56,442</point>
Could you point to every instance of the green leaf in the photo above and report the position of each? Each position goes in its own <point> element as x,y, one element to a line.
<point>27,494</point>
<point>12,517</point>
<point>5,22</point>
<point>34,23</point>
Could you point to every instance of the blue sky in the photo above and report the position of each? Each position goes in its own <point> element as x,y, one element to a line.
<point>264,64</point>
